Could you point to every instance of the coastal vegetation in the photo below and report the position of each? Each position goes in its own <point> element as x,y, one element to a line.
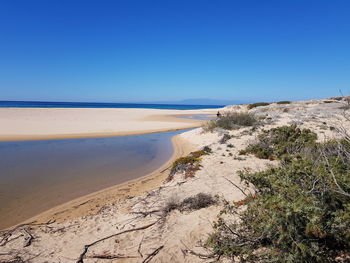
<point>283,102</point>
<point>258,104</point>
<point>196,202</point>
<point>299,211</point>
<point>276,142</point>
<point>188,164</point>
<point>231,120</point>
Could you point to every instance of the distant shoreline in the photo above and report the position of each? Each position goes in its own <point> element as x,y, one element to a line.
<point>19,124</point>
<point>111,105</point>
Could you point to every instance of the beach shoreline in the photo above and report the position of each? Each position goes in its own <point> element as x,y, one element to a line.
<point>91,203</point>
<point>22,124</point>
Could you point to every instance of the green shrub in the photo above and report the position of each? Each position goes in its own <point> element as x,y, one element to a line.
<point>277,142</point>
<point>284,102</point>
<point>207,149</point>
<point>258,104</point>
<point>231,120</point>
<point>299,213</point>
<point>188,164</point>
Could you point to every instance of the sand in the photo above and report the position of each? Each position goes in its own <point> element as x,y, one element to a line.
<point>134,226</point>
<point>60,123</point>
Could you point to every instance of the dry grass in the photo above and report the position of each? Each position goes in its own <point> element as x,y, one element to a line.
<point>231,120</point>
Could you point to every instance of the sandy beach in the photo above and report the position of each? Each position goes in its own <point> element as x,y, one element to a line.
<point>60,123</point>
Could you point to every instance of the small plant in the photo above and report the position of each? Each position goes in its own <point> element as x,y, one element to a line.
<point>284,102</point>
<point>207,149</point>
<point>230,145</point>
<point>171,204</point>
<point>258,104</point>
<point>188,164</point>
<point>224,138</point>
<point>196,202</point>
<point>231,120</point>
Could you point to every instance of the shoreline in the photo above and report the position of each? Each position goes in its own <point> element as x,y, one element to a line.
<point>24,124</point>
<point>91,203</point>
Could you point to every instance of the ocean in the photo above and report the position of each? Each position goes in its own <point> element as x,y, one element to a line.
<point>46,104</point>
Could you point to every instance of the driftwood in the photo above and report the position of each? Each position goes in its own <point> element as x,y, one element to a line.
<point>200,255</point>
<point>28,239</point>
<point>8,233</point>
<point>150,256</point>
<point>146,213</point>
<point>139,248</point>
<point>109,256</point>
<point>86,247</point>
<point>235,186</point>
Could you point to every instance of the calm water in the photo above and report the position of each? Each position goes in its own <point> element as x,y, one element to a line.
<point>37,175</point>
<point>205,117</point>
<point>45,104</point>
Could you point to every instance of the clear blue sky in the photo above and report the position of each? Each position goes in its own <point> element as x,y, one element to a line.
<point>146,50</point>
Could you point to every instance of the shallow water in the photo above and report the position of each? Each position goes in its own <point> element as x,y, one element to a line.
<point>37,175</point>
<point>205,117</point>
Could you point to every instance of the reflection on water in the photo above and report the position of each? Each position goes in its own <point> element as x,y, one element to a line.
<point>37,175</point>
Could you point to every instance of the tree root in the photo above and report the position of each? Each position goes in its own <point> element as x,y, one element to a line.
<point>86,247</point>
<point>150,256</point>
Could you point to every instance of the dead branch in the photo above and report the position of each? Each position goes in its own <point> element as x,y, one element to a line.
<point>146,213</point>
<point>150,256</point>
<point>109,256</point>
<point>235,186</point>
<point>340,190</point>
<point>8,233</point>
<point>28,239</point>
<point>139,248</point>
<point>86,247</point>
<point>200,255</point>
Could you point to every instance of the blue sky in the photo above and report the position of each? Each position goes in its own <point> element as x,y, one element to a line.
<point>111,51</point>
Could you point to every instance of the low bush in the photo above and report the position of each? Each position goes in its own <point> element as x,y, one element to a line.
<point>284,102</point>
<point>196,202</point>
<point>300,211</point>
<point>231,120</point>
<point>258,104</point>
<point>207,149</point>
<point>188,164</point>
<point>276,142</point>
